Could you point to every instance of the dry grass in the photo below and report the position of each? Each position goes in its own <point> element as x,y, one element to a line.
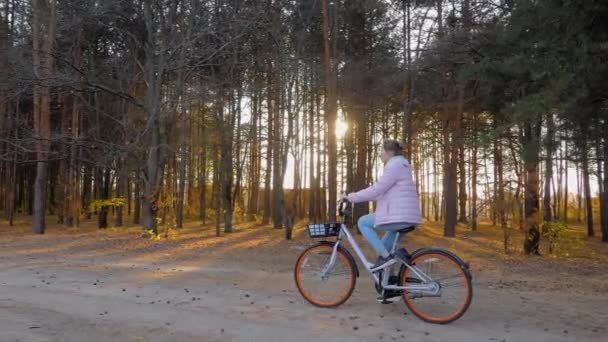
<point>483,247</point>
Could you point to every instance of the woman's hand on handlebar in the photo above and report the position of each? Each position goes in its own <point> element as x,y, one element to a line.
<point>342,206</point>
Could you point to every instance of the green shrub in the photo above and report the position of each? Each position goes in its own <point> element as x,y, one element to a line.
<point>554,232</point>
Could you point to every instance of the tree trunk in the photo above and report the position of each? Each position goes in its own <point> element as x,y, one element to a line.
<point>450,188</point>
<point>269,147</point>
<point>202,178</point>
<point>579,198</point>
<point>104,194</point>
<point>74,165</point>
<point>549,149</point>
<point>474,184</point>
<point>137,201</point>
<point>329,51</point>
<point>312,207</point>
<point>587,187</point>
<point>254,159</point>
<point>437,204</point>
<point>500,195</point>
<point>183,161</point>
<point>276,142</point>
<point>287,210</point>
<point>531,140</point>
<point>121,189</point>
<point>408,102</point>
<point>13,199</point>
<point>156,54</point>
<point>450,138</point>
<point>237,195</point>
<point>604,195</point>
<point>566,182</point>
<point>226,136</point>
<point>217,189</point>
<point>359,106</point>
<point>152,179</point>
<point>361,209</point>
<point>43,21</point>
<point>63,183</point>
<point>86,190</point>
<point>462,186</point>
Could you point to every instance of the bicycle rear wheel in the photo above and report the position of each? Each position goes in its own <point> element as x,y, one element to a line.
<point>453,279</point>
<point>320,284</point>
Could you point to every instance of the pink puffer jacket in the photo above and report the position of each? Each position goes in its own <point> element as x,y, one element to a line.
<point>395,193</point>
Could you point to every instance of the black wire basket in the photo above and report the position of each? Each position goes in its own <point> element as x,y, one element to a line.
<point>318,230</point>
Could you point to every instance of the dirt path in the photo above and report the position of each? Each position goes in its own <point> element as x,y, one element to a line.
<point>115,286</point>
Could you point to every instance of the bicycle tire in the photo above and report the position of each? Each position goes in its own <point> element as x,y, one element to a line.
<point>466,276</point>
<point>344,257</point>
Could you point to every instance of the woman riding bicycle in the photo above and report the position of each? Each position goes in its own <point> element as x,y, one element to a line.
<point>397,202</point>
<point>433,282</point>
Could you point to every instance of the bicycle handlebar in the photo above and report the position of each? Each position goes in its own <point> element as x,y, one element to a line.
<point>342,206</point>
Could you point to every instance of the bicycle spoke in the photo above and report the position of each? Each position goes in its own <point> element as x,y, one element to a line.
<point>448,295</point>
<point>453,276</point>
<point>323,285</point>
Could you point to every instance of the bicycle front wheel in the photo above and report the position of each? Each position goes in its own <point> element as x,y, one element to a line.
<point>452,279</point>
<point>321,283</point>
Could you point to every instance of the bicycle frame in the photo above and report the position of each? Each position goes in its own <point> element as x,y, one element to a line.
<point>429,286</point>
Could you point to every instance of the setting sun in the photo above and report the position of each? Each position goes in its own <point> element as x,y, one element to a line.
<point>341,128</point>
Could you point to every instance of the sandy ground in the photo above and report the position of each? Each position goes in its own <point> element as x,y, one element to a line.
<point>89,285</point>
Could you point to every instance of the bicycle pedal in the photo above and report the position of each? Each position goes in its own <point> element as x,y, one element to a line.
<point>387,300</point>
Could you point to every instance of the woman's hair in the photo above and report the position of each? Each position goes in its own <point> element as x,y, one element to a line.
<point>393,146</point>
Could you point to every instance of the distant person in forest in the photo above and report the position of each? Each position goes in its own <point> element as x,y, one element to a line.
<point>397,202</point>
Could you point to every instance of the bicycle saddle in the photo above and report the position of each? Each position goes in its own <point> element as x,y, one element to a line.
<point>406,229</point>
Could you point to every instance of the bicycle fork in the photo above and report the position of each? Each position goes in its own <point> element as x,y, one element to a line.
<point>332,261</point>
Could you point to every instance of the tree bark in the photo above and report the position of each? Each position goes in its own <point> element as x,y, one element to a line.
<point>474,182</point>
<point>43,20</point>
<point>408,102</point>
<point>269,152</point>
<point>462,186</point>
<point>121,189</point>
<point>566,195</point>
<point>549,149</point>
<point>202,178</point>
<point>604,194</point>
<point>103,194</point>
<point>75,203</point>
<point>158,36</point>
<point>137,201</point>
<point>216,200</point>
<point>226,136</point>
<point>313,200</point>
<point>531,161</point>
<point>184,161</point>
<point>254,159</point>
<point>587,186</point>
<point>277,147</point>
<point>287,211</point>
<point>500,195</point>
<point>329,51</point>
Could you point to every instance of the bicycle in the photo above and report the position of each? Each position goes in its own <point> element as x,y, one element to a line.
<point>424,280</point>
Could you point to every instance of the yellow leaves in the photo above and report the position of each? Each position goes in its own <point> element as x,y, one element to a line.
<point>105,203</point>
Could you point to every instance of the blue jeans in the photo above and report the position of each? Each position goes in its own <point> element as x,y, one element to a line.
<point>366,226</point>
